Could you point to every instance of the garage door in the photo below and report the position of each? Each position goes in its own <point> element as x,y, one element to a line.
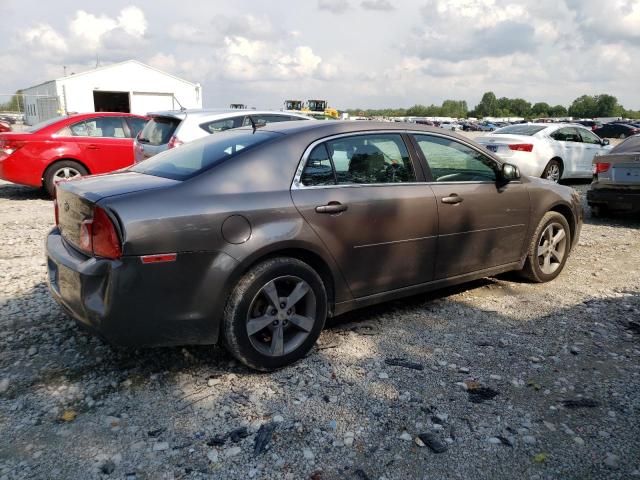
<point>143,102</point>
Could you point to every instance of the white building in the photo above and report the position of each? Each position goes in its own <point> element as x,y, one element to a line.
<point>129,86</point>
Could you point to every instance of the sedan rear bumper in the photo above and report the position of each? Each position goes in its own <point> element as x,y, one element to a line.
<point>616,199</point>
<point>129,303</point>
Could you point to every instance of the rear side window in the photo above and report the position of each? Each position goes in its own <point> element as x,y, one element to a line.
<point>136,125</point>
<point>158,130</point>
<point>568,134</point>
<point>222,125</point>
<point>360,159</point>
<point>105,127</point>
<point>193,158</point>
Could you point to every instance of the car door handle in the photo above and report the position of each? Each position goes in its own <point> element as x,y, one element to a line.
<point>93,147</point>
<point>452,199</point>
<point>331,207</point>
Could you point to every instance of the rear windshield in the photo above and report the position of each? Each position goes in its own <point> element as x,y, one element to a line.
<point>158,130</point>
<point>193,158</point>
<point>39,126</point>
<point>520,129</point>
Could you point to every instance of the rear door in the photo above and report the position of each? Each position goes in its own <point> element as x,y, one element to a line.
<point>482,222</point>
<point>104,141</point>
<point>364,197</point>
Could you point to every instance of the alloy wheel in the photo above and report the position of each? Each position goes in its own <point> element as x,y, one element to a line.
<point>281,316</point>
<point>553,173</point>
<point>552,248</point>
<point>65,173</point>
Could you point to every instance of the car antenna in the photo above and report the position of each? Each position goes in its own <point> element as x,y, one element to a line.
<point>253,124</point>
<point>182,109</point>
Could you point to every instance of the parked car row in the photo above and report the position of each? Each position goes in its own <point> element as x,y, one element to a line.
<point>85,144</point>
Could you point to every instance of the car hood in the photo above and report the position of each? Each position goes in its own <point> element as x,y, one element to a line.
<point>96,187</point>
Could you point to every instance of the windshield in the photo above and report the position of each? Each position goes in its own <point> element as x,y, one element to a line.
<point>520,129</point>
<point>39,126</point>
<point>158,130</point>
<point>194,158</point>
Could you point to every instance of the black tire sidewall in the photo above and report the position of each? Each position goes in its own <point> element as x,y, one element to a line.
<point>551,217</point>
<point>51,169</point>
<point>235,333</point>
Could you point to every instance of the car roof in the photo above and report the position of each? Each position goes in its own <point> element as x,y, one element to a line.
<point>213,112</point>
<point>337,127</point>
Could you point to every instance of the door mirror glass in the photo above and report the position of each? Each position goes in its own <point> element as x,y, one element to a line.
<point>510,172</point>
<point>605,141</point>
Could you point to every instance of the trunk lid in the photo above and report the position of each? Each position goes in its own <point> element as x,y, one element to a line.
<point>76,199</point>
<point>624,169</point>
<point>499,143</point>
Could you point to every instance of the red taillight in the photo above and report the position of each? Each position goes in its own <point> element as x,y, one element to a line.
<point>601,167</point>
<point>521,147</point>
<point>174,142</point>
<point>9,146</point>
<point>98,236</point>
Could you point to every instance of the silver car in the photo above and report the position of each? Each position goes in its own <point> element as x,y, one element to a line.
<point>171,128</point>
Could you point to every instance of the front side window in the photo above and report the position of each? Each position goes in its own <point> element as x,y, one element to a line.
<point>105,127</point>
<point>272,118</point>
<point>588,137</point>
<point>451,161</point>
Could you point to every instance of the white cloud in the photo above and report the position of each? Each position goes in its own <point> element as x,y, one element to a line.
<point>42,38</point>
<point>334,6</point>
<point>380,5</point>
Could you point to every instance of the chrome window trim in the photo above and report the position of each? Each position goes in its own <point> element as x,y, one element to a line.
<point>296,184</point>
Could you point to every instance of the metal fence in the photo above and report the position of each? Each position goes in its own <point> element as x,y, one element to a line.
<point>18,109</point>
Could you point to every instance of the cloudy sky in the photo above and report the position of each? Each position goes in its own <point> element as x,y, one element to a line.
<point>355,53</point>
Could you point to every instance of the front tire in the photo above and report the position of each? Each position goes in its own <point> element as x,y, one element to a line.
<point>549,249</point>
<point>63,170</point>
<point>275,314</point>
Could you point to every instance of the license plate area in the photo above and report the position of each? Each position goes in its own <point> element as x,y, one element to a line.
<point>492,148</point>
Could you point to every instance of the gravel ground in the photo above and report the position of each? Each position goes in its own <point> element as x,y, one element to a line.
<point>511,380</point>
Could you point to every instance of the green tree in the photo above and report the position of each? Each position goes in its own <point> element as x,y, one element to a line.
<point>488,106</point>
<point>541,109</point>
<point>558,111</point>
<point>583,107</point>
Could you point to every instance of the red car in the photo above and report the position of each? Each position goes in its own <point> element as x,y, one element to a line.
<point>65,147</point>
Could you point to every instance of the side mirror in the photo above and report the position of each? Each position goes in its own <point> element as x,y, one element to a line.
<point>510,172</point>
<point>605,141</point>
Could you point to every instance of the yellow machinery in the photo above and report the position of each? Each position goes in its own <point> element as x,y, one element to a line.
<point>318,109</point>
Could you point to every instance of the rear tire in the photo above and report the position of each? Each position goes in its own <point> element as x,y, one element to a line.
<point>275,314</point>
<point>553,171</point>
<point>62,170</point>
<point>548,250</point>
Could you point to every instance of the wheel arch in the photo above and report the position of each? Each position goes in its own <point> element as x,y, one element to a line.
<point>330,277</point>
<point>567,213</point>
<point>63,159</point>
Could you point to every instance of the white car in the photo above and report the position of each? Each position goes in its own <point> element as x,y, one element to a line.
<point>172,128</point>
<point>451,126</point>
<point>551,151</point>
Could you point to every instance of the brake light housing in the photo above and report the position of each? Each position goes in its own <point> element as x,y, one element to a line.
<point>174,142</point>
<point>98,236</point>
<point>9,147</point>
<point>521,147</point>
<point>601,167</point>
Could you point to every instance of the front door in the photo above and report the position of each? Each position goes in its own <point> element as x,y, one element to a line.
<point>361,195</point>
<point>592,146</point>
<point>571,150</point>
<point>482,222</point>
